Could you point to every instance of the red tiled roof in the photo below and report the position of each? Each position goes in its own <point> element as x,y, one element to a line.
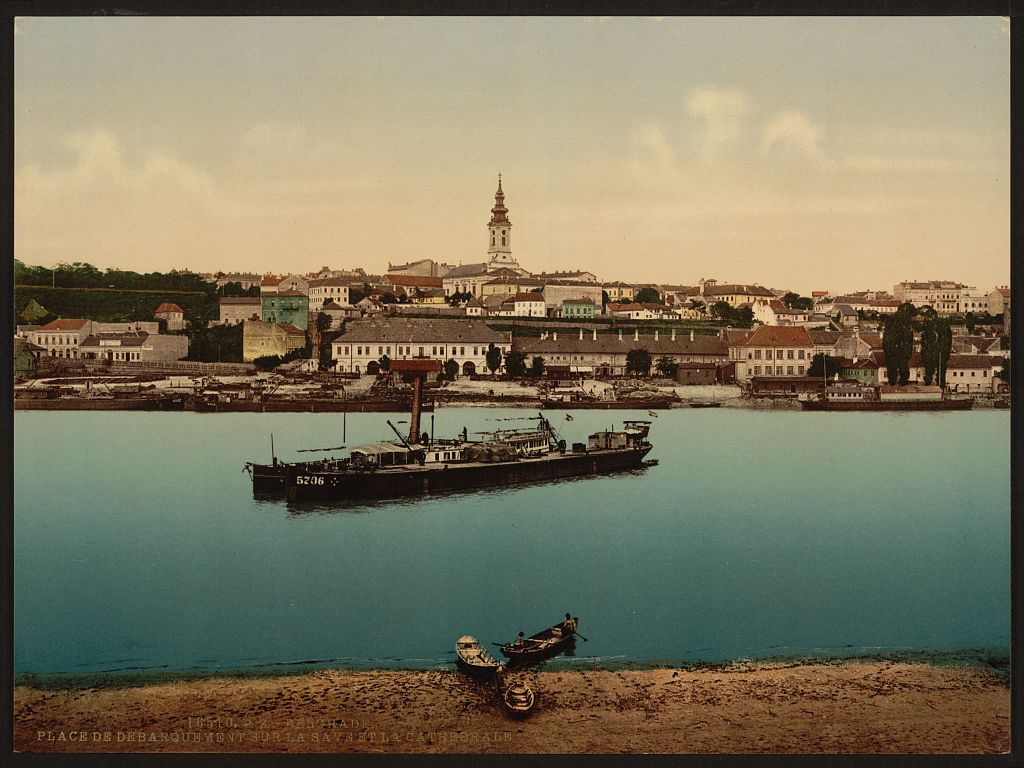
<point>165,307</point>
<point>529,297</point>
<point>778,336</point>
<point>972,361</point>
<point>270,280</point>
<point>63,325</point>
<point>291,330</point>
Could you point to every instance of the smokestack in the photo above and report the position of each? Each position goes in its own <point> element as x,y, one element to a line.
<point>673,334</point>
<point>554,336</point>
<point>581,334</point>
<point>593,334</point>
<point>655,335</point>
<point>636,334</point>
<point>691,335</point>
<point>620,334</point>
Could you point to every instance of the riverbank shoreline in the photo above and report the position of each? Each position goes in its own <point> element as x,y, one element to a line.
<point>838,706</point>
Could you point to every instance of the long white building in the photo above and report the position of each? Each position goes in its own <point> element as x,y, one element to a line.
<point>365,342</point>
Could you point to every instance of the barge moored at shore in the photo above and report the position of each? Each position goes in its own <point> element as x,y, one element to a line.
<point>911,397</point>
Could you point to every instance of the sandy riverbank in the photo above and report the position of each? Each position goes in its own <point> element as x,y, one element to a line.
<point>851,707</point>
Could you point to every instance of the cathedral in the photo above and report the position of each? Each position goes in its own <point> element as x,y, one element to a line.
<point>468,278</point>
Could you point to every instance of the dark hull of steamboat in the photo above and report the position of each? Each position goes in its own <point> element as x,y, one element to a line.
<point>303,483</point>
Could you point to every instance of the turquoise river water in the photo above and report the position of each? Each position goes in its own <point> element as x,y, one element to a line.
<point>138,545</point>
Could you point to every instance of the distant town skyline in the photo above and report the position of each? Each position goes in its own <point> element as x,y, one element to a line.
<point>804,153</point>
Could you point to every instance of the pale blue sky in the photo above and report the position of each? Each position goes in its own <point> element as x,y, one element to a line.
<point>807,153</point>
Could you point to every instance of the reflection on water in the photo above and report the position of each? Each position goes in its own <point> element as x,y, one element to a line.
<point>758,534</point>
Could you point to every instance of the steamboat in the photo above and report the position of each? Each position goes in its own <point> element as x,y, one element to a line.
<point>419,465</point>
<point>911,397</point>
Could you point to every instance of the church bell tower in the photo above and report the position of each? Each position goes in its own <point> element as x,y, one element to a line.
<point>499,232</point>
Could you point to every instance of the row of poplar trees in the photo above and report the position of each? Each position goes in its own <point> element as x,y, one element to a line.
<point>898,344</point>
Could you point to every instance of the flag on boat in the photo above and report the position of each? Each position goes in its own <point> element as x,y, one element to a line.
<point>652,413</point>
<point>568,417</point>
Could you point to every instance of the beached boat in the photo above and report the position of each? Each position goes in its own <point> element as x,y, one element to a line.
<point>543,645</point>
<point>473,658</point>
<point>518,699</point>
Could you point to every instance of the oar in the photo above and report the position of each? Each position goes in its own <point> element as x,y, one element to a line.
<point>581,637</point>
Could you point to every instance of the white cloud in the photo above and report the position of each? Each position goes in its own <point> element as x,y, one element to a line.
<point>652,140</point>
<point>793,134</point>
<point>722,110</point>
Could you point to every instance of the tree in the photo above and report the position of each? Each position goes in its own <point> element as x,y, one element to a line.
<point>667,367</point>
<point>824,366</point>
<point>898,343</point>
<point>451,369</point>
<point>1004,373</point>
<point>537,367</point>
<point>936,347</point>
<point>385,362</point>
<point>743,317</point>
<point>493,358</point>
<point>721,309</point>
<point>605,298</point>
<point>638,361</point>
<point>515,364</point>
<point>796,301</point>
<point>33,311</point>
<point>648,296</point>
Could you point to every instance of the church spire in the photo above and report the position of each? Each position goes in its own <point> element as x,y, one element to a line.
<point>499,231</point>
<point>499,213</point>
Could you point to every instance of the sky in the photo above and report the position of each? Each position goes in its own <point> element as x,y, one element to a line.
<point>834,154</point>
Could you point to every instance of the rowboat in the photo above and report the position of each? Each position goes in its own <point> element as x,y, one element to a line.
<point>543,645</point>
<point>473,658</point>
<point>518,698</point>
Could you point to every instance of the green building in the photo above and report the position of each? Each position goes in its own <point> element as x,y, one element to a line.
<point>578,309</point>
<point>289,307</point>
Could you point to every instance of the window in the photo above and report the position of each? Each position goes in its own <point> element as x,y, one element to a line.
<point>359,350</point>
<point>789,354</point>
<point>757,370</point>
<point>778,370</point>
<point>800,354</point>
<point>757,354</point>
<point>789,370</point>
<point>767,354</point>
<point>778,354</point>
<point>801,370</point>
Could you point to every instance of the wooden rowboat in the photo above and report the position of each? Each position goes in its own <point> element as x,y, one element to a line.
<point>473,658</point>
<point>518,699</point>
<point>543,645</point>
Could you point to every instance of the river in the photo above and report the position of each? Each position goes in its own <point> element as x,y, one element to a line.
<point>138,545</point>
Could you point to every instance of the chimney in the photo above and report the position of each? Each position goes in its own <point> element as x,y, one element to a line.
<point>673,334</point>
<point>593,334</point>
<point>655,335</point>
<point>691,335</point>
<point>636,334</point>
